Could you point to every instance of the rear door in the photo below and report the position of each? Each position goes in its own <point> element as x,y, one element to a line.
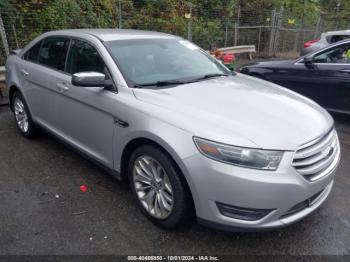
<point>83,113</point>
<point>40,67</point>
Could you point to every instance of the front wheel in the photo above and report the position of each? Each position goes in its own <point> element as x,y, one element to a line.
<point>158,186</point>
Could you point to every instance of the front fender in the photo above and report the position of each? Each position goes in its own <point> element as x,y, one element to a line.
<point>177,142</point>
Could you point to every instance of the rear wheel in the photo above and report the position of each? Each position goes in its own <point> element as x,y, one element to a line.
<point>22,116</point>
<point>159,188</point>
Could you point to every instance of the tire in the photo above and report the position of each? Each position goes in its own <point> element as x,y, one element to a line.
<point>21,112</point>
<point>181,205</point>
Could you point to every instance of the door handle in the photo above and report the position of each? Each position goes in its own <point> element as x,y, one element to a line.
<point>62,87</point>
<point>24,72</point>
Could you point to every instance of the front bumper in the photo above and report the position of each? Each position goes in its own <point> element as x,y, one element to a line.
<point>279,191</point>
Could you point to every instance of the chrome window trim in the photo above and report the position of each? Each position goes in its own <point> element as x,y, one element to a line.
<point>299,60</point>
<point>70,38</point>
<point>330,64</point>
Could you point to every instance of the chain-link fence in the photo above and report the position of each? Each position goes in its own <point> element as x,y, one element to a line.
<point>272,28</point>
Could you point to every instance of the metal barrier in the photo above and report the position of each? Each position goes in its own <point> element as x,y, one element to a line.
<point>3,99</point>
<point>239,50</point>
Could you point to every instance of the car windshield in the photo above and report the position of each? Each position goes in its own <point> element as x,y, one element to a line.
<point>160,62</point>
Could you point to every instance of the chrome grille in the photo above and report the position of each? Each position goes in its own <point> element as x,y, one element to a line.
<point>319,157</point>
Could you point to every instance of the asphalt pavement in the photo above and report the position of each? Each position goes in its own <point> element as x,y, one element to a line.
<point>43,211</point>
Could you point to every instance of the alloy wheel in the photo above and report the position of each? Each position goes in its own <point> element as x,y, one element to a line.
<point>21,115</point>
<point>153,187</point>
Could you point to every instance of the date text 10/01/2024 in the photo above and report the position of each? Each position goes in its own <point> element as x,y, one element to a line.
<point>173,258</point>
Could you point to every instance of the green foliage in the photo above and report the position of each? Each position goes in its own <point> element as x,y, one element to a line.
<point>205,32</point>
<point>209,17</point>
<point>56,15</point>
<point>62,14</point>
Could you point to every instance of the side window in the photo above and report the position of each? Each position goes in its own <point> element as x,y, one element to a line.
<point>53,53</point>
<point>83,57</point>
<point>32,54</point>
<point>337,55</point>
<point>337,38</point>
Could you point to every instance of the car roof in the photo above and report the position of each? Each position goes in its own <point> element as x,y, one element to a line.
<point>342,32</point>
<point>110,34</point>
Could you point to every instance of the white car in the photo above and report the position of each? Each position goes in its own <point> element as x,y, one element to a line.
<point>325,40</point>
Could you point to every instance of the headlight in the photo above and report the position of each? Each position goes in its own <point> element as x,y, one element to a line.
<point>239,156</point>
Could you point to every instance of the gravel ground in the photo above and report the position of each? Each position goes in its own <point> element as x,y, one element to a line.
<point>44,212</point>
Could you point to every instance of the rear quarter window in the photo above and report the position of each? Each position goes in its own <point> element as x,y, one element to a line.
<point>336,38</point>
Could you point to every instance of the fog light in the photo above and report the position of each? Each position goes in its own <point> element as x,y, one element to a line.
<point>242,213</point>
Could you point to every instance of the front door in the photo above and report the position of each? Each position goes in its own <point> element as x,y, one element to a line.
<point>326,80</point>
<point>83,113</point>
<point>332,74</point>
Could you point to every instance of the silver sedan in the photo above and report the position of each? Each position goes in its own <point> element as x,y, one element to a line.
<point>191,137</point>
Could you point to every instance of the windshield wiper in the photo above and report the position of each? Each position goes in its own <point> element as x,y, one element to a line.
<point>213,75</point>
<point>206,77</point>
<point>178,82</point>
<point>161,83</point>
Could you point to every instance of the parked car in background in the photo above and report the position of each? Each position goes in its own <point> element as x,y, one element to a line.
<point>325,40</point>
<point>323,76</point>
<point>188,134</point>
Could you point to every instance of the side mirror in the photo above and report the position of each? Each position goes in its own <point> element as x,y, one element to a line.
<point>309,61</point>
<point>90,79</point>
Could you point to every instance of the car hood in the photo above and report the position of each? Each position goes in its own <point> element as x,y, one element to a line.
<point>240,110</point>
